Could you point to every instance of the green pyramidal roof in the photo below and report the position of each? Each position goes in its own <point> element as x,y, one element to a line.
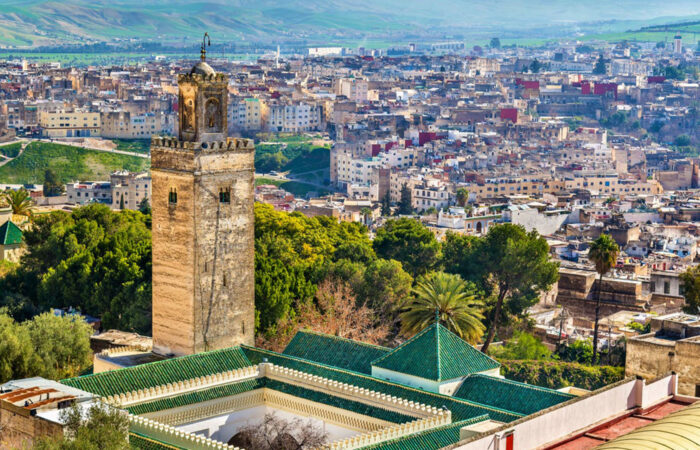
<point>10,234</point>
<point>436,354</point>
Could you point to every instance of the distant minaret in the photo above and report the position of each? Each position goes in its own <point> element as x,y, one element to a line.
<point>277,58</point>
<point>203,250</point>
<point>678,44</point>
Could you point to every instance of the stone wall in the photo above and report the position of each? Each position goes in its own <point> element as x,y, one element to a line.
<point>18,429</point>
<point>203,248</point>
<point>651,357</point>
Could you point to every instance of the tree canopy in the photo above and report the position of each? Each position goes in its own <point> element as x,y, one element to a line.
<point>95,259</point>
<point>510,264</point>
<point>48,346</point>
<point>409,242</point>
<point>103,427</point>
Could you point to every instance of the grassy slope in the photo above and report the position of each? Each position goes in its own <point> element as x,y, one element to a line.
<point>294,187</point>
<point>69,164</point>
<point>51,21</point>
<point>10,150</point>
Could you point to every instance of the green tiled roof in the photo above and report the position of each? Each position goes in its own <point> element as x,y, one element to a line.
<point>461,409</point>
<point>258,383</point>
<point>512,395</point>
<point>436,354</point>
<point>160,372</point>
<point>10,234</point>
<point>339,402</point>
<point>140,442</point>
<point>430,439</point>
<point>334,351</point>
<point>196,396</point>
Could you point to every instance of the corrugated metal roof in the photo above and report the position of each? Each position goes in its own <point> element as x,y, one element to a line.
<point>677,431</point>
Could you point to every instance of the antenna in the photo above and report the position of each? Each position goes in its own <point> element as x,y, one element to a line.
<point>206,42</point>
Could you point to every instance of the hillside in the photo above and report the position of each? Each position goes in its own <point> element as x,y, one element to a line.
<point>69,164</point>
<point>51,22</point>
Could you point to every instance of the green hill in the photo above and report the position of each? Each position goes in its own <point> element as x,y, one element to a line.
<point>52,22</point>
<point>69,164</point>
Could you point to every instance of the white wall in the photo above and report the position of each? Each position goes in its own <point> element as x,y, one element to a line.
<point>224,427</point>
<point>578,415</point>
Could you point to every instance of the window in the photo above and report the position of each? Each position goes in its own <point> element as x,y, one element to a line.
<point>225,195</point>
<point>653,286</point>
<point>667,287</point>
<point>172,196</point>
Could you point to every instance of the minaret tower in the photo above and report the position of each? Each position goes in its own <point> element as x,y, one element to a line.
<point>203,237</point>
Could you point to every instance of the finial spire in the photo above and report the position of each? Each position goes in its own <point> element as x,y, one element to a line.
<point>437,315</point>
<point>205,42</point>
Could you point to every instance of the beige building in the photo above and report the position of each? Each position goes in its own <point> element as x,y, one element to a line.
<point>352,88</point>
<point>130,188</point>
<point>249,114</point>
<point>672,346</point>
<point>126,125</point>
<point>294,118</point>
<point>63,124</point>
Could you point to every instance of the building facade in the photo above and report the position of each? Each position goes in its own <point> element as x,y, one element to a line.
<point>66,124</point>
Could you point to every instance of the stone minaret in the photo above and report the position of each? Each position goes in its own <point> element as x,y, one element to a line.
<point>203,250</point>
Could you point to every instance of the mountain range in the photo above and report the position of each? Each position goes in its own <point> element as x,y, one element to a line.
<point>29,23</point>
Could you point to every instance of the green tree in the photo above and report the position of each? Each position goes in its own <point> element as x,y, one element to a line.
<point>603,253</point>
<point>405,206</point>
<point>523,346</point>
<point>682,141</point>
<point>459,255</point>
<point>17,356</point>
<point>103,427</point>
<point>449,299</point>
<point>385,287</point>
<point>62,343</point>
<point>674,73</point>
<point>535,66</point>
<point>462,196</point>
<point>386,205</point>
<point>293,253</point>
<point>599,68</point>
<point>495,43</point>
<point>145,206</point>
<point>517,267</point>
<point>94,259</point>
<point>690,280</point>
<point>656,126</point>
<point>409,242</point>
<point>19,201</point>
<point>52,184</point>
<point>581,351</point>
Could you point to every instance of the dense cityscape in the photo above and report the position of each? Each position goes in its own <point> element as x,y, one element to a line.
<point>423,245</point>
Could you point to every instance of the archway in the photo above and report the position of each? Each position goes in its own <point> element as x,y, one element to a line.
<point>478,227</point>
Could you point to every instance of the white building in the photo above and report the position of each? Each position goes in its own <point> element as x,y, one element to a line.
<point>88,192</point>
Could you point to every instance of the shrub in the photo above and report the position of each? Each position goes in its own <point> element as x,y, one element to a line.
<point>557,374</point>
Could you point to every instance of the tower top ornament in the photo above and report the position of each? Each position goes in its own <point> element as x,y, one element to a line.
<point>206,42</point>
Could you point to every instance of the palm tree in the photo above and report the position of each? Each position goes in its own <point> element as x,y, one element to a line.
<point>603,253</point>
<point>451,299</point>
<point>462,196</point>
<point>19,201</point>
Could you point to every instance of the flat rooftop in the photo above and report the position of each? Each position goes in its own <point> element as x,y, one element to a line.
<point>612,429</point>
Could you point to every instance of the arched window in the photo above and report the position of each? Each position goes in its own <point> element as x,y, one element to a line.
<point>172,196</point>
<point>225,195</point>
